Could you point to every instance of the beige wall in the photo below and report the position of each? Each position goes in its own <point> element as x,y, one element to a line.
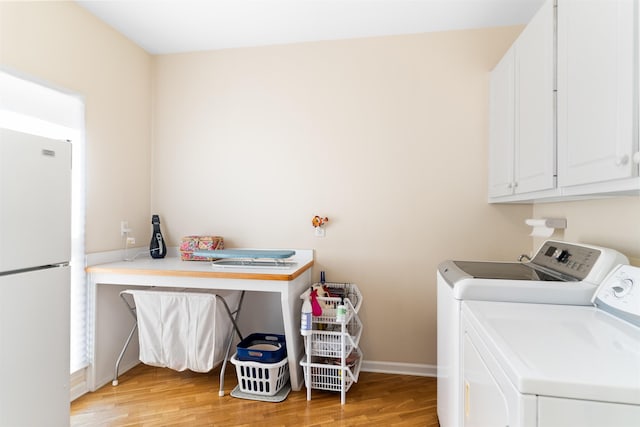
<point>64,46</point>
<point>612,222</point>
<point>385,136</point>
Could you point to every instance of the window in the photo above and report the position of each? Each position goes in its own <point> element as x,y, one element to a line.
<point>33,108</point>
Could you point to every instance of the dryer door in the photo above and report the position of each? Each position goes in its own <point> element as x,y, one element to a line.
<point>490,399</point>
<point>484,401</point>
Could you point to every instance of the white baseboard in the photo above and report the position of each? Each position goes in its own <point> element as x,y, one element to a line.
<point>123,368</point>
<point>399,368</point>
<point>78,384</point>
<point>78,381</point>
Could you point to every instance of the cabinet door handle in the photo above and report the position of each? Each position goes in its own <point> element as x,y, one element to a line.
<point>623,160</point>
<point>636,158</point>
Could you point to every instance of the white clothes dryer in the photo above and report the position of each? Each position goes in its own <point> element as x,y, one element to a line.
<point>541,365</point>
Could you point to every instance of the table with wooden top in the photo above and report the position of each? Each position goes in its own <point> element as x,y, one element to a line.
<point>106,319</point>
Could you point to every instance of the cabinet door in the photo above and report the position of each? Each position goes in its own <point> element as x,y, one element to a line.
<point>501,126</point>
<point>595,90</point>
<point>535,160</point>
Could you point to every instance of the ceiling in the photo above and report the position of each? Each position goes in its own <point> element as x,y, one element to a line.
<point>174,26</point>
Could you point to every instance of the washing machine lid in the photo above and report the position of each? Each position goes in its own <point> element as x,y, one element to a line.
<point>561,351</point>
<point>560,273</point>
<point>506,271</point>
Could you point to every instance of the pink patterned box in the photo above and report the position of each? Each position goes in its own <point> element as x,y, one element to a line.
<point>191,244</point>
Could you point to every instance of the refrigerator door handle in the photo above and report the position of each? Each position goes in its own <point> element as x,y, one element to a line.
<point>36,268</point>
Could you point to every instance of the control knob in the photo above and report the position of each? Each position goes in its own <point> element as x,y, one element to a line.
<point>622,288</point>
<point>563,256</point>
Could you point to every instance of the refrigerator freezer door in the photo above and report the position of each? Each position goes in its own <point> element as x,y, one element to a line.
<point>34,348</point>
<point>35,190</point>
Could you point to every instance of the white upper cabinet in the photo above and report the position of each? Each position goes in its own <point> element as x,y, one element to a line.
<point>501,126</point>
<point>535,148</point>
<point>595,91</point>
<point>522,107</point>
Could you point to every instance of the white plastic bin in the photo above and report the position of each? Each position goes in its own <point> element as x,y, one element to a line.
<point>265,379</point>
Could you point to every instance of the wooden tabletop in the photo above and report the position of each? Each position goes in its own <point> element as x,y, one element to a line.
<point>175,267</point>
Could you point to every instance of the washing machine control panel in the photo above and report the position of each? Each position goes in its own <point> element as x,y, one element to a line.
<point>619,293</point>
<point>572,261</point>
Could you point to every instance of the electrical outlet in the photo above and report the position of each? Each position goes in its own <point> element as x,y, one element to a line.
<point>124,228</point>
<point>131,241</point>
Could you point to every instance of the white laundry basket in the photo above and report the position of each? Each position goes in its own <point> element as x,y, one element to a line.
<point>265,379</point>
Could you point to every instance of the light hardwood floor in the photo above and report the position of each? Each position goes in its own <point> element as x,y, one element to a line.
<point>151,397</point>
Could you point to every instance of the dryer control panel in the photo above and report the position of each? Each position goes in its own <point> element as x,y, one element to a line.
<point>619,293</point>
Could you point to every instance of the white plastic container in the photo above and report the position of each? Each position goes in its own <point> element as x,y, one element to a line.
<point>306,316</point>
<point>261,378</point>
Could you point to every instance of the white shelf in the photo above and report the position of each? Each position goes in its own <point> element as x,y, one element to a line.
<point>333,358</point>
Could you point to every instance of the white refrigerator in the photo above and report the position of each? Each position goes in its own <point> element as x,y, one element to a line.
<point>35,248</point>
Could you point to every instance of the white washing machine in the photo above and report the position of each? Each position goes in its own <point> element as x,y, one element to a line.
<point>541,365</point>
<point>559,273</point>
